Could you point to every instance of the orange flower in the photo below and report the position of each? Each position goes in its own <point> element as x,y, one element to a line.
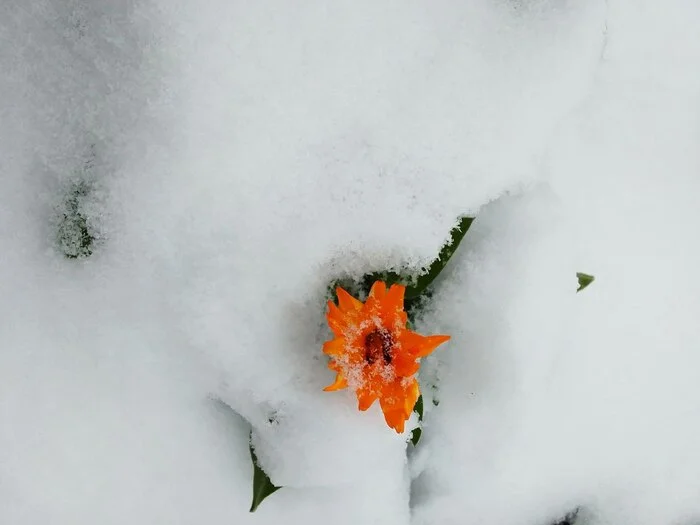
<point>374,354</point>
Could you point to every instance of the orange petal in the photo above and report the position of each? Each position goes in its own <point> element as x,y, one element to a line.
<point>393,414</point>
<point>396,421</point>
<point>405,363</point>
<point>346,301</point>
<point>340,383</point>
<point>394,297</point>
<point>365,400</point>
<point>348,350</point>
<point>339,321</point>
<point>412,392</point>
<point>392,311</point>
<point>336,319</point>
<point>394,321</point>
<point>392,392</point>
<point>411,341</point>
<point>372,308</point>
<point>430,343</point>
<point>420,345</point>
<point>335,347</point>
<point>378,290</point>
<point>403,317</point>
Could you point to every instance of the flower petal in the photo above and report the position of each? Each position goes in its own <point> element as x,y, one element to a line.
<point>340,383</point>
<point>339,321</point>
<point>394,297</point>
<point>393,412</point>
<point>335,347</point>
<point>405,364</point>
<point>349,351</point>
<point>378,290</point>
<point>420,345</point>
<point>430,343</point>
<point>346,301</point>
<point>336,319</point>
<point>392,312</point>
<point>365,398</point>
<point>412,391</point>
<point>402,319</point>
<point>411,341</point>
<point>395,420</point>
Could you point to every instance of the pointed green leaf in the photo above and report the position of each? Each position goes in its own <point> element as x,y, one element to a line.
<point>456,235</point>
<point>583,280</point>
<point>415,435</point>
<point>418,408</point>
<point>417,432</point>
<point>262,486</point>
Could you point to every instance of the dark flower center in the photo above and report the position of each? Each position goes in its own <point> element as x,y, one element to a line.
<point>378,344</point>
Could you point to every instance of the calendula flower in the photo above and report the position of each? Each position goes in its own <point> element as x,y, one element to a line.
<point>374,353</point>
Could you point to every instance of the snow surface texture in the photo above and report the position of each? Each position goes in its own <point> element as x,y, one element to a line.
<point>240,155</point>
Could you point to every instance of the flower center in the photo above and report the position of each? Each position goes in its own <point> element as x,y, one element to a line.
<point>378,344</point>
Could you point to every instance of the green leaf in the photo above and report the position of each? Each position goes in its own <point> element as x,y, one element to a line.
<point>456,235</point>
<point>415,435</point>
<point>418,408</point>
<point>583,280</point>
<point>417,432</point>
<point>262,486</point>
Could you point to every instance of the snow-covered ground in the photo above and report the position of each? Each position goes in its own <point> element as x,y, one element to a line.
<point>239,155</point>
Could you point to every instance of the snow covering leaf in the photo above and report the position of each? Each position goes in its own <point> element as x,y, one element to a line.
<point>74,237</point>
<point>456,235</point>
<point>570,518</point>
<point>262,486</point>
<point>416,289</point>
<point>583,280</point>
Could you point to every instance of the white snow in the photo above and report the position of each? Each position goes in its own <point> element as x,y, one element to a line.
<point>242,155</point>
